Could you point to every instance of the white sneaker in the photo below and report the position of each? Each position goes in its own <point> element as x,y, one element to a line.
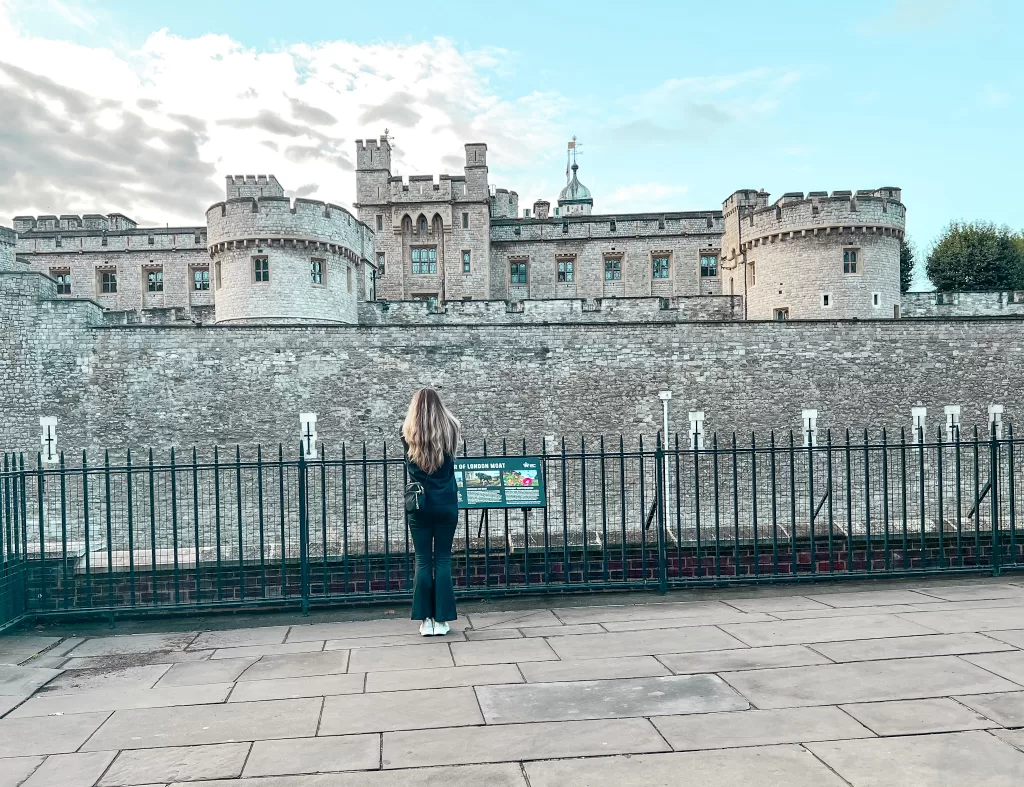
<point>440,629</point>
<point>428,628</point>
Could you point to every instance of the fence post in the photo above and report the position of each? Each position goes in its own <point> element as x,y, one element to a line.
<point>659,452</point>
<point>993,470</point>
<point>303,533</point>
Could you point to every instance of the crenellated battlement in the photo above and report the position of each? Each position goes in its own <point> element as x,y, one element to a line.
<point>373,154</point>
<point>70,222</point>
<point>239,186</point>
<point>870,210</point>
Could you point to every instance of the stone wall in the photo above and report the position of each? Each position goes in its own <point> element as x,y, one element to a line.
<point>8,239</point>
<point>578,310</point>
<point>962,304</point>
<point>248,384</point>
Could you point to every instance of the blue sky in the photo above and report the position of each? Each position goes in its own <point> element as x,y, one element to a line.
<point>676,104</point>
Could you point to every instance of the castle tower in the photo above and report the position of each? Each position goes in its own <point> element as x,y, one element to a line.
<point>8,242</point>
<point>279,262</point>
<point>817,257</point>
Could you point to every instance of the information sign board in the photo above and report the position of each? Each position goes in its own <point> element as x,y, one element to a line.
<point>500,482</point>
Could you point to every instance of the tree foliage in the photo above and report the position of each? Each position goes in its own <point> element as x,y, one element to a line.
<point>906,265</point>
<point>977,256</point>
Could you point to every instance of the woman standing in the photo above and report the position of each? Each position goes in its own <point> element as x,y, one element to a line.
<point>431,435</point>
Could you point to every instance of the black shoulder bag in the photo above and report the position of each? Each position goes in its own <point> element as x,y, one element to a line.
<point>414,494</point>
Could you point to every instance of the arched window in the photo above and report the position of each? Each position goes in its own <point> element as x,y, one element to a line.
<point>422,224</point>
<point>406,224</point>
<point>437,224</point>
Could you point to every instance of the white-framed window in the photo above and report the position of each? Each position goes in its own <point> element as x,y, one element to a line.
<point>613,268</point>
<point>851,260</point>
<point>565,269</point>
<point>518,271</point>
<point>708,266</point>
<point>810,427</point>
<point>424,259</point>
<point>826,300</point>
<point>995,420</point>
<point>154,279</point>
<point>317,271</point>
<point>108,282</point>
<point>952,422</point>
<point>260,270</point>
<point>697,430</point>
<point>466,260</point>
<point>200,279</point>
<point>918,424</point>
<point>781,314</point>
<point>661,266</point>
<point>63,278</point>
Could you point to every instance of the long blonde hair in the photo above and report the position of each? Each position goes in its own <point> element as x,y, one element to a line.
<point>430,429</point>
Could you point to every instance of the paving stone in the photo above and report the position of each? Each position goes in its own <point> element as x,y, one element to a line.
<point>290,688</point>
<point>177,763</point>
<point>314,755</point>
<point>516,742</point>
<point>15,649</point>
<point>1013,737</point>
<point>713,619</point>
<point>915,717</point>
<point>910,647</point>
<point>112,699</point>
<point>399,710</point>
<point>442,678</point>
<point>132,643</point>
<point>513,620</point>
<point>47,735</point>
<point>267,650</point>
<point>361,628</point>
<point>758,728</point>
<point>607,699</point>
<point>21,681</point>
<point>643,643</point>
<point>1014,637</point>
<point>208,671</point>
<point>502,651</point>
<point>1006,708</point>
<point>742,659</point>
<point>973,592</point>
<point>98,679</point>
<point>563,631</point>
<point>351,643</point>
<point>15,770</point>
<point>46,661</point>
<point>120,661</point>
<point>990,619</point>
<point>233,638</point>
<point>958,758</point>
<point>505,775</point>
<point>690,613</point>
<point>766,766</point>
<point>870,598</point>
<point>844,612</point>
<point>803,632</point>
<point>199,724</point>
<point>593,669</point>
<point>1009,665</point>
<point>484,634</point>
<point>400,657</point>
<point>774,604</point>
<point>71,770</point>
<point>875,681</point>
<point>10,702</point>
<point>297,665</point>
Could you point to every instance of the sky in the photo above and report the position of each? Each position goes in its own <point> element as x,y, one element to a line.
<point>143,108</point>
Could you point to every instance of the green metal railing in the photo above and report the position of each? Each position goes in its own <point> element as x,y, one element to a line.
<point>227,529</point>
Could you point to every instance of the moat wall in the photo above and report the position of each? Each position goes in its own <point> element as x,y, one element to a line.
<point>141,386</point>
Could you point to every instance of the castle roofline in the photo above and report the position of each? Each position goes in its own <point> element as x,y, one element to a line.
<point>85,232</point>
<point>601,217</point>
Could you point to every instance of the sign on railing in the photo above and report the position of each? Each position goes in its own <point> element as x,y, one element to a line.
<point>500,482</point>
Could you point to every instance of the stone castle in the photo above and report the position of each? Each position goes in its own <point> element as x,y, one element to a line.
<point>535,322</point>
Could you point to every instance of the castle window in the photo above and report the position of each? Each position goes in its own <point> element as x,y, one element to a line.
<point>58,242</point>
<point>423,225</point>
<point>826,300</point>
<point>753,274</point>
<point>316,270</point>
<point>711,223</point>
<point>708,266</point>
<point>260,269</point>
<point>152,240</point>
<point>611,225</point>
<point>850,260</point>
<point>781,315</point>
<point>876,299</point>
<point>380,223</point>
<point>198,240</point>
<point>660,267</point>
<point>63,279</point>
<point>565,227</point>
<point>380,263</point>
<point>216,274</point>
<point>348,278</point>
<point>517,272</point>
<point>108,282</point>
<point>566,270</point>
<point>465,259</point>
<point>465,221</point>
<point>661,224</point>
<point>612,268</point>
<point>155,280</point>
<point>200,279</point>
<point>424,259</point>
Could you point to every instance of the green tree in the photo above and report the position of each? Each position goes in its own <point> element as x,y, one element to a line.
<point>976,256</point>
<point>906,265</point>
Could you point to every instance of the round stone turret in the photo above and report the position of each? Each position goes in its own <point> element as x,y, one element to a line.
<point>816,257</point>
<point>275,261</point>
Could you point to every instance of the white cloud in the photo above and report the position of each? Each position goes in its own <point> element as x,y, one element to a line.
<point>152,132</point>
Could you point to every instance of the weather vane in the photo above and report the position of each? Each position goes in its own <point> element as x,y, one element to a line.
<point>573,149</point>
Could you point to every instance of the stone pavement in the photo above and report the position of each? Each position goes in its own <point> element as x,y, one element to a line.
<point>918,684</point>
